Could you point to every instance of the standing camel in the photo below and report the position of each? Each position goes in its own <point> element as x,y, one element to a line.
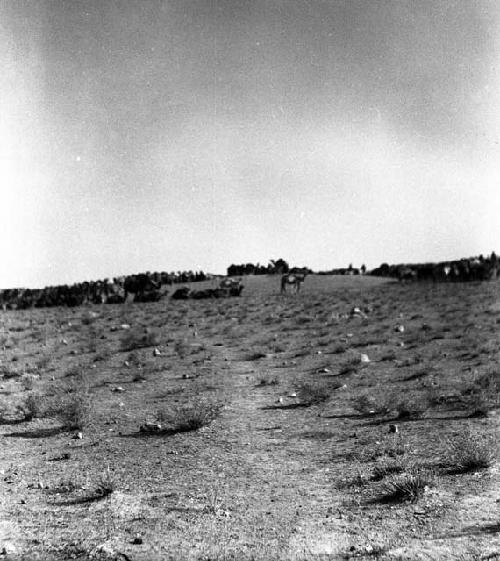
<point>293,280</point>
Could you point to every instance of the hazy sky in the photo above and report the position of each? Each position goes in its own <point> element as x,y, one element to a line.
<point>184,134</point>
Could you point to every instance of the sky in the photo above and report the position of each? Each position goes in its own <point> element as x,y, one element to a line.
<point>191,134</point>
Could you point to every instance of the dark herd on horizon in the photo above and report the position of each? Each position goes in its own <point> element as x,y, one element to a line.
<point>143,287</point>
<point>464,270</point>
<point>151,287</point>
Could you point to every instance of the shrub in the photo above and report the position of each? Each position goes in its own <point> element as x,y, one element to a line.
<point>28,381</point>
<point>34,407</point>
<point>190,417</point>
<point>387,468</point>
<point>43,362</point>
<point>367,404</point>
<point>409,485</point>
<point>105,485</point>
<point>73,412</point>
<point>313,393</point>
<point>469,452</point>
<point>268,381</point>
<point>136,339</point>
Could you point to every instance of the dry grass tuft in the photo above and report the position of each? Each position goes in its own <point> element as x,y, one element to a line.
<point>409,485</point>
<point>106,484</point>
<point>74,412</point>
<point>314,393</point>
<point>470,452</point>
<point>199,413</point>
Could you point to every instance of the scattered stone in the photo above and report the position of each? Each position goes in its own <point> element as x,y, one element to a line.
<point>78,436</point>
<point>8,549</point>
<point>150,427</point>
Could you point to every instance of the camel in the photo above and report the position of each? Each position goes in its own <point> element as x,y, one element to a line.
<point>294,280</point>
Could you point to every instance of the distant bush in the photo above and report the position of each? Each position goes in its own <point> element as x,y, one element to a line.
<point>74,412</point>
<point>190,417</point>
<point>28,381</point>
<point>470,452</point>
<point>314,393</point>
<point>268,381</point>
<point>35,406</point>
<point>484,394</point>
<point>136,339</point>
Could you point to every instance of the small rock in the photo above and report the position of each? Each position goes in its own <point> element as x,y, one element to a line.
<point>73,352</point>
<point>150,427</point>
<point>185,376</point>
<point>393,428</point>
<point>364,358</point>
<point>118,389</point>
<point>78,436</point>
<point>156,352</point>
<point>293,394</point>
<point>64,342</point>
<point>125,326</point>
<point>400,328</point>
<point>40,485</point>
<point>323,371</point>
<point>279,400</point>
<point>8,549</point>
<point>126,363</point>
<point>137,540</point>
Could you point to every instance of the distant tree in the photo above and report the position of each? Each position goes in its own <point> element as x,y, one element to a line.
<point>280,266</point>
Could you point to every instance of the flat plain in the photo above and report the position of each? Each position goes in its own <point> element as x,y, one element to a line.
<point>356,419</point>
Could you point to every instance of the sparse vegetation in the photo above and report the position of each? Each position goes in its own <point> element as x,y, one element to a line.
<point>106,484</point>
<point>314,393</point>
<point>270,469</point>
<point>407,485</point>
<point>136,339</point>
<point>190,417</point>
<point>34,406</point>
<point>471,452</point>
<point>73,412</point>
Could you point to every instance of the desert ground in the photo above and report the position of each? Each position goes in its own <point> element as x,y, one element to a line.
<point>354,420</point>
